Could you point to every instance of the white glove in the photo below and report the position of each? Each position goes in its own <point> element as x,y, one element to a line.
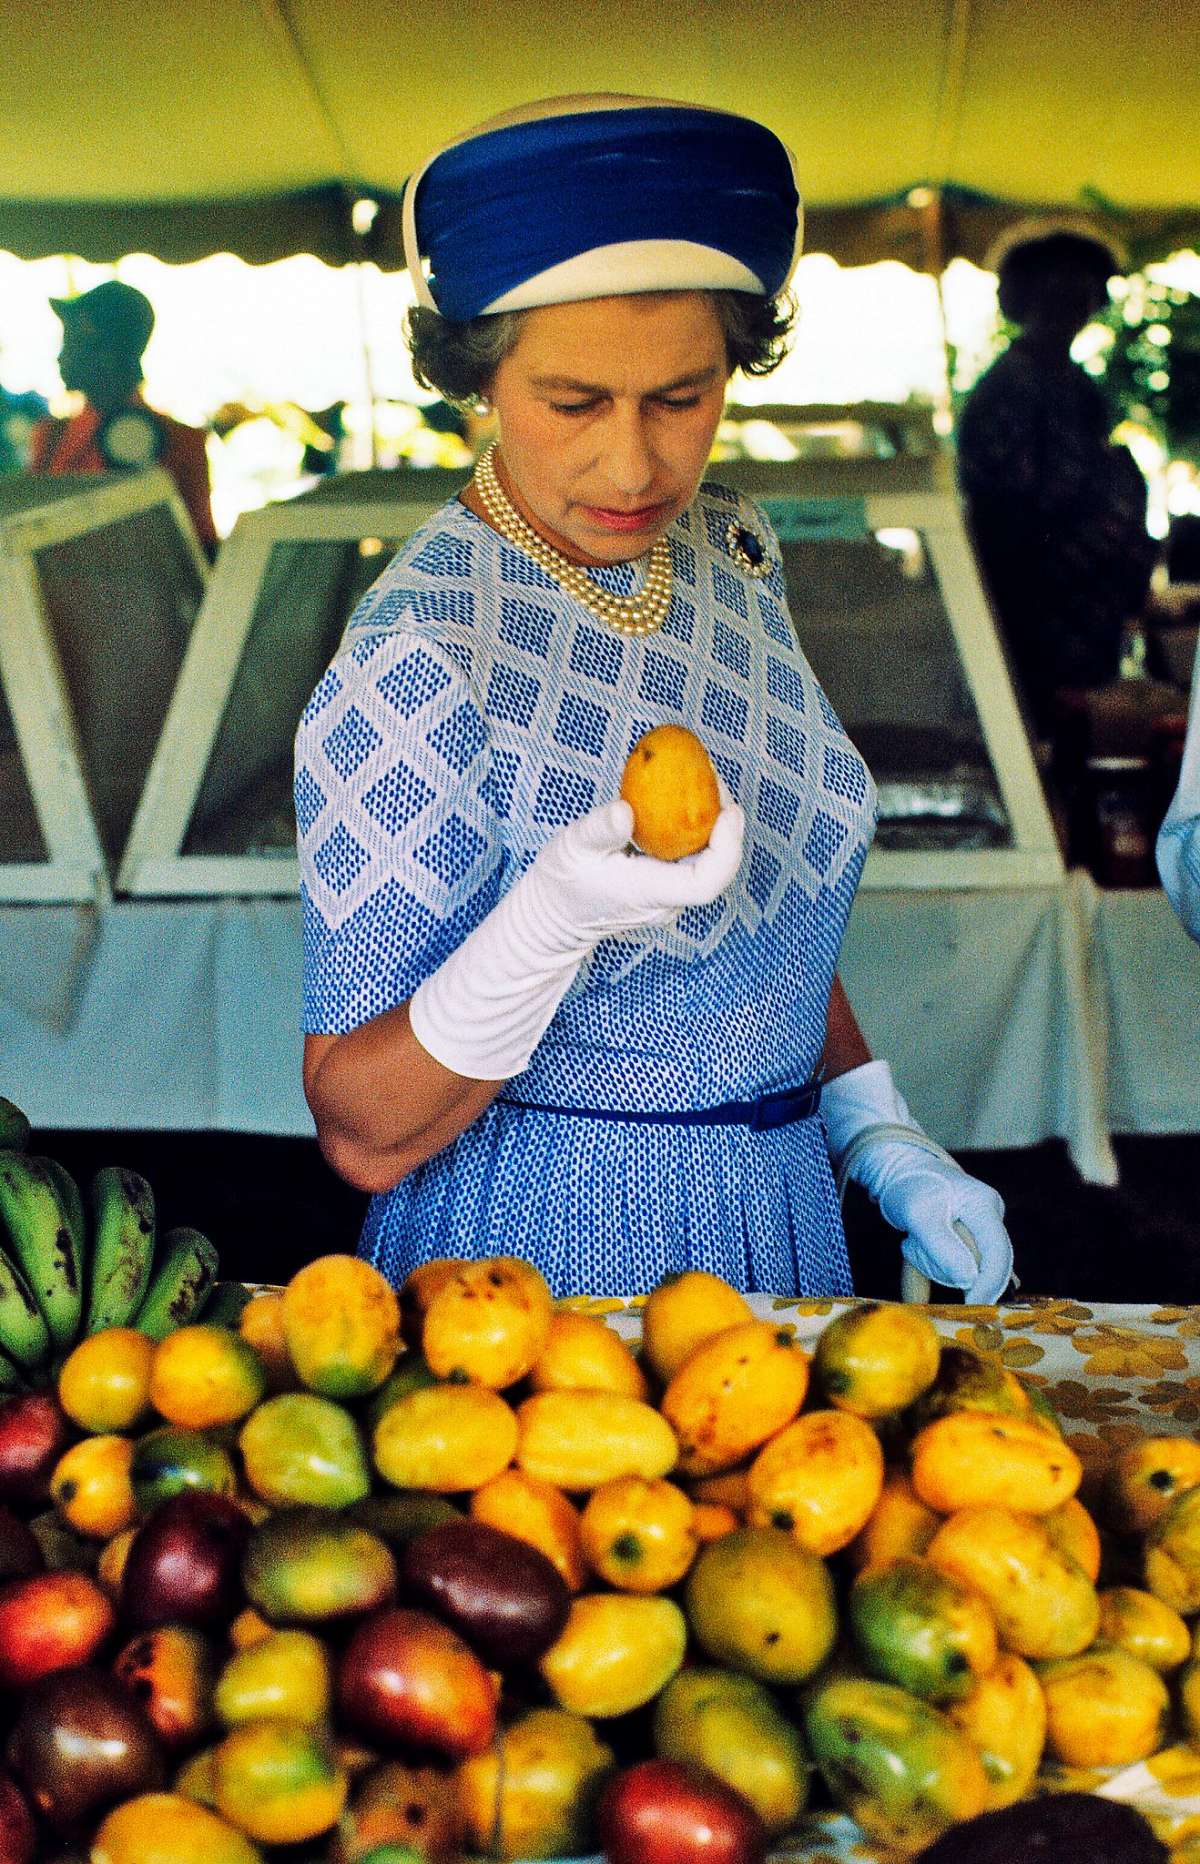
<point>483,1012</point>
<point>874,1139</point>
<point>1178,848</point>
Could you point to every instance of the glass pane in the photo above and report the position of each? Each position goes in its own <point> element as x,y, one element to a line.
<point>872,620</point>
<point>305,600</point>
<point>121,600</point>
<point>20,835</point>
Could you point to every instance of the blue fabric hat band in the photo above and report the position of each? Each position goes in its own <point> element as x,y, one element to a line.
<point>664,196</point>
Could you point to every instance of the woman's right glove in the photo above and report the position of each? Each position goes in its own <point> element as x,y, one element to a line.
<point>483,1012</point>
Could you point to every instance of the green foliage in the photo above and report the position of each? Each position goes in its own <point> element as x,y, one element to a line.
<point>1151,370</point>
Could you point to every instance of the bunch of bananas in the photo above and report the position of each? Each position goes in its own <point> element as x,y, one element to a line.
<point>62,1275</point>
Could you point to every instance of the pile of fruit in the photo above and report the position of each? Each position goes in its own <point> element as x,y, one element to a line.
<point>376,1580</point>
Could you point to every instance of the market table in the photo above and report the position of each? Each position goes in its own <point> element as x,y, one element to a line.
<point>1009,1015</point>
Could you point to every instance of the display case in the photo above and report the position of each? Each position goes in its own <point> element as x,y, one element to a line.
<point>216,814</point>
<point>100,581</point>
<point>886,599</point>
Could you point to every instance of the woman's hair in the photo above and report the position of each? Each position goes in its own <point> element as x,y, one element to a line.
<point>460,359</point>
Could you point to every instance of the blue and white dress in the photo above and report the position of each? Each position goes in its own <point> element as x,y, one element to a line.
<point>474,708</point>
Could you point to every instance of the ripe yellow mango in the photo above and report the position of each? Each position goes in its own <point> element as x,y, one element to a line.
<point>1043,1604</point>
<point>820,1479</point>
<point>1141,1624</point>
<point>582,1353</point>
<point>531,1795</point>
<point>639,1536</point>
<point>671,786</point>
<point>1073,1532</point>
<point>1172,1554</point>
<point>445,1438</point>
<point>900,1524</point>
<point>733,1392</point>
<point>615,1652</point>
<point>1005,1718</point>
<point>1104,1708</point>
<point>877,1358</point>
<point>973,1459</point>
<point>489,1322</point>
<point>536,1512</point>
<point>683,1310</point>
<point>577,1440</point>
<point>1146,1478</point>
<point>760,1603</point>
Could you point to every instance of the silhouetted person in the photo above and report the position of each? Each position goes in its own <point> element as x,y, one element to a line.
<point>105,333</point>
<point>1057,512</point>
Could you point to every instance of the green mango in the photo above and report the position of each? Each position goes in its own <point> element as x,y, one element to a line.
<point>922,1629</point>
<point>897,1766</point>
<point>301,1448</point>
<point>402,1515</point>
<point>730,1724</point>
<point>307,1565</point>
<point>284,1676</point>
<point>169,1460</point>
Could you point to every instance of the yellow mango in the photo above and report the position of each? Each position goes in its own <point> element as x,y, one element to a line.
<point>1073,1532</point>
<point>730,1489</point>
<point>1004,1717</point>
<point>1189,1701</point>
<point>877,1358</point>
<point>712,1520</point>
<point>1172,1554</point>
<point>820,1479</point>
<point>759,1603</point>
<point>733,1392</point>
<point>583,1353</point>
<point>261,1326</point>
<point>683,1310</point>
<point>973,1459</point>
<point>1043,1604</point>
<point>1141,1624</point>
<point>490,1322</point>
<point>1104,1708</point>
<point>1146,1478</point>
<point>91,1488</point>
<point>531,1795</point>
<point>671,786</point>
<point>638,1535</point>
<point>417,1291</point>
<point>445,1438</point>
<point>577,1440</point>
<point>615,1652</point>
<point>899,1525</point>
<point>536,1512</point>
<point>341,1322</point>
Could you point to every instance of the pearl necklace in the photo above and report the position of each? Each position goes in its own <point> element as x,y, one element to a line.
<point>643,613</point>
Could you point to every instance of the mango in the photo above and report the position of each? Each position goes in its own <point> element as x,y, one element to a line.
<point>1043,1604</point>
<point>922,1629</point>
<point>971,1459</point>
<point>446,1438</point>
<point>966,1381</point>
<point>577,1440</point>
<point>1005,1718</point>
<point>172,1673</point>
<point>261,1326</point>
<point>91,1488</point>
<point>537,1512</point>
<point>1104,1708</point>
<point>896,1765</point>
<point>1171,1554</point>
<point>820,1478</point>
<point>417,1291</point>
<point>639,1535</point>
<point>759,1602</point>
<point>1146,1478</point>
<point>1189,1701</point>
<point>168,1461</point>
<point>411,1374</point>
<point>341,1322</point>
<point>731,1725</point>
<point>1074,1532</point>
<point>582,1353</point>
<point>899,1524</point>
<point>489,1322</point>
<point>301,1448</point>
<point>202,1377</point>
<point>104,1384</point>
<point>307,1565</point>
<point>876,1359</point>
<point>533,1794</point>
<point>285,1676</point>
<point>278,1781</point>
<point>397,1811</point>
<point>166,1828</point>
<point>682,1311</point>
<point>1141,1624</point>
<point>401,1516</point>
<point>615,1653</point>
<point>732,1392</point>
<point>671,786</point>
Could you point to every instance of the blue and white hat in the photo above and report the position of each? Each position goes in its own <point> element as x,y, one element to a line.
<point>597,196</point>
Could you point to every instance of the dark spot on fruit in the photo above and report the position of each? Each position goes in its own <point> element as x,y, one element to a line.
<point>458,1376</point>
<point>496,1278</point>
<point>785,1337</point>
<point>772,1637</point>
<point>782,1518</point>
<point>67,1491</point>
<point>143,1688</point>
<point>956,1663</point>
<point>1162,1479</point>
<point>626,1547</point>
<point>415,1813</point>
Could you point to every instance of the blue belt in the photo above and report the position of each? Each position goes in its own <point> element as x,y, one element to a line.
<point>760,1116</point>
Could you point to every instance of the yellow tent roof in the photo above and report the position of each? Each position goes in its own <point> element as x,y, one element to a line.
<point>186,126</point>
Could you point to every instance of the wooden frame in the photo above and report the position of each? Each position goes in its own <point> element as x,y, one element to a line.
<point>35,515</point>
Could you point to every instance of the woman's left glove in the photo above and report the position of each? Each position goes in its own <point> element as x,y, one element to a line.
<point>874,1139</point>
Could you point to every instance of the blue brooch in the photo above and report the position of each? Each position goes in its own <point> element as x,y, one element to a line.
<point>747,548</point>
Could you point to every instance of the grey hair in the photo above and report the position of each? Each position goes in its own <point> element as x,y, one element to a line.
<point>459,360</point>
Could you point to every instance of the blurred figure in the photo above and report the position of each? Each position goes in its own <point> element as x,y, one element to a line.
<point>105,333</point>
<point>19,415</point>
<point>1178,847</point>
<point>1057,512</point>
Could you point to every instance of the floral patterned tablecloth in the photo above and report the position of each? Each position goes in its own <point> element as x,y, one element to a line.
<point>1113,1374</point>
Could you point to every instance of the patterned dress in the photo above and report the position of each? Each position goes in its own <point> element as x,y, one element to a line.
<point>474,708</point>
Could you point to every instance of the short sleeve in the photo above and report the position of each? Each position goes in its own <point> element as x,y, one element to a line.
<point>400,847</point>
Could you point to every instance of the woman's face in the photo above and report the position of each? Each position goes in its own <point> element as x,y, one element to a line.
<point>607,412</point>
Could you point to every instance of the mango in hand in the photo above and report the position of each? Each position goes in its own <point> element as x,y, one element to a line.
<point>671,786</point>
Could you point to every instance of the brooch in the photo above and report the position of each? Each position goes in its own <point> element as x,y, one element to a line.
<point>747,548</point>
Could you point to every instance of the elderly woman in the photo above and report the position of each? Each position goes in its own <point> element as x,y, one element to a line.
<point>522,1035</point>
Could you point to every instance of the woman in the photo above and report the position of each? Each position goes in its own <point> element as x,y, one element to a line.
<point>523,1036</point>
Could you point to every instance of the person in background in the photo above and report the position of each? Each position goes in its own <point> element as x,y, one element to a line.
<point>690,1079</point>
<point>1178,847</point>
<point>1056,510</point>
<point>105,333</point>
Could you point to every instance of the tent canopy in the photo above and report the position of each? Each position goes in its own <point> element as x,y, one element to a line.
<point>251,125</point>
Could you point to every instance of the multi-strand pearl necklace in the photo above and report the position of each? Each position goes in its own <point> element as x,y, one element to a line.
<point>638,614</point>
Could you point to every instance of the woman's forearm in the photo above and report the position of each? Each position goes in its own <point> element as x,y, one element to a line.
<point>382,1104</point>
<point>845,1045</point>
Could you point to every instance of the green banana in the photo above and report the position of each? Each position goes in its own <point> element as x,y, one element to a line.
<point>181,1283</point>
<point>12,1379</point>
<point>14,1127</point>
<point>41,1211</point>
<point>225,1304</point>
<point>24,1335</point>
<point>122,1246</point>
